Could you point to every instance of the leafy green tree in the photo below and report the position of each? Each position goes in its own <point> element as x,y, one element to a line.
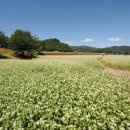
<point>2,40</point>
<point>37,44</point>
<point>22,41</point>
<point>8,44</point>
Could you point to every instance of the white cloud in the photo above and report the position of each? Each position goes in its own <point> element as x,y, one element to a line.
<point>67,42</point>
<point>88,40</point>
<point>114,39</point>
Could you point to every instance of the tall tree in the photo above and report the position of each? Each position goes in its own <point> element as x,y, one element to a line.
<point>2,40</point>
<point>22,41</point>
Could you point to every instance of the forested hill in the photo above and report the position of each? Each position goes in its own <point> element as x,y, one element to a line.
<point>55,45</point>
<point>84,48</point>
<point>113,49</point>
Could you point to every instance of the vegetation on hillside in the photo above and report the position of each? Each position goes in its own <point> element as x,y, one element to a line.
<point>110,50</point>
<point>25,44</point>
<point>54,45</point>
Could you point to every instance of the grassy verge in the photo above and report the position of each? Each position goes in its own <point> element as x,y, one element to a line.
<point>117,62</point>
<point>6,54</point>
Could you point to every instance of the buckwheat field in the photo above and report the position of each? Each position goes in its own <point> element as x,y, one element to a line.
<point>63,93</point>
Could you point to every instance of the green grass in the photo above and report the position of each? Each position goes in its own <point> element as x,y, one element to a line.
<point>62,93</point>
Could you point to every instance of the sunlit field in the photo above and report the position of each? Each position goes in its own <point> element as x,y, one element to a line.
<point>118,62</point>
<point>64,93</point>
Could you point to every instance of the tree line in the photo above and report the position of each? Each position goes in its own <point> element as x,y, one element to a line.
<point>25,44</point>
<point>125,50</point>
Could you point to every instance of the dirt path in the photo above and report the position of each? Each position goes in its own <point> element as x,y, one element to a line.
<point>114,72</point>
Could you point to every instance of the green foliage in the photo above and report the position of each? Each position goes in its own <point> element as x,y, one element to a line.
<point>111,50</point>
<point>117,50</point>
<point>54,45</point>
<point>25,45</point>
<point>67,93</point>
<point>84,49</point>
<point>2,40</point>
<point>22,40</point>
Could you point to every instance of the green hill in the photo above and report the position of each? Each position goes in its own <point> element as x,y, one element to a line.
<point>111,50</point>
<point>55,45</point>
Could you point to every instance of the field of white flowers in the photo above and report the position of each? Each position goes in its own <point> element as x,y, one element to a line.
<point>62,93</point>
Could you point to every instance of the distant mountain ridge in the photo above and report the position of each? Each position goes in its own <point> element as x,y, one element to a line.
<point>112,49</point>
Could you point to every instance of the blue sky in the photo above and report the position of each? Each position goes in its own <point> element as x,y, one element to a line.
<point>97,23</point>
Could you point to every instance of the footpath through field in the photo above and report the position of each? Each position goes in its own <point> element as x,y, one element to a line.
<point>114,72</point>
